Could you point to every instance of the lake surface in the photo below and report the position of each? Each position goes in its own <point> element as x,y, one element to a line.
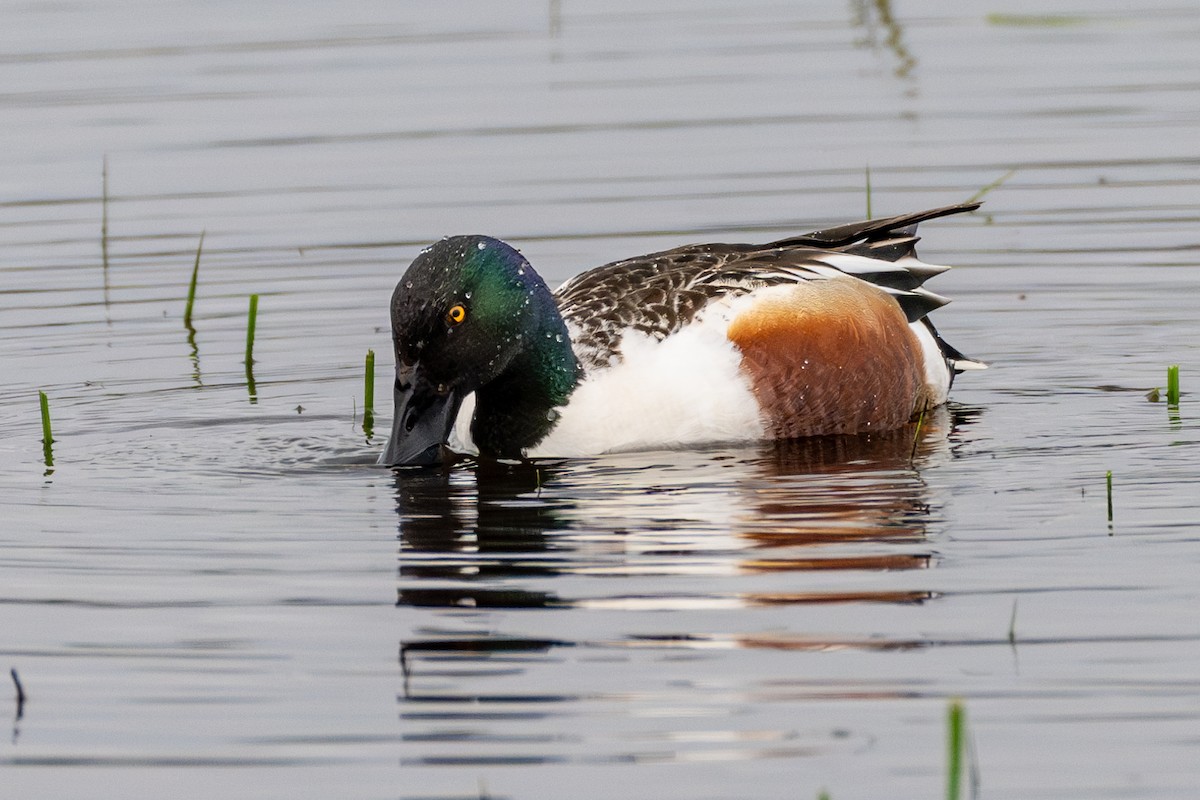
<point>214,592</point>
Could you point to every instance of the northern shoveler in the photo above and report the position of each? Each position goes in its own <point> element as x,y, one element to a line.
<point>824,333</point>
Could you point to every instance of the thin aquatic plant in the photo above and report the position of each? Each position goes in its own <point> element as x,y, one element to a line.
<point>369,394</point>
<point>44,402</point>
<point>47,437</point>
<point>1012,625</point>
<point>868,175</point>
<point>1108,481</point>
<point>21,696</point>
<point>956,742</point>
<point>1036,20</point>
<point>251,321</point>
<point>250,324</point>
<point>191,297</point>
<point>912,457</point>
<point>369,384</point>
<point>993,185</point>
<point>251,386</point>
<point>1173,385</point>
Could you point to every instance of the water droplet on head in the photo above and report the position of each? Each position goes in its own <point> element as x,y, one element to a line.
<point>467,295</point>
<point>408,284</point>
<point>520,270</point>
<point>481,246</point>
<point>558,337</point>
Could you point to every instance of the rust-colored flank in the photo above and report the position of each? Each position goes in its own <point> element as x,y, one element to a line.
<point>830,356</point>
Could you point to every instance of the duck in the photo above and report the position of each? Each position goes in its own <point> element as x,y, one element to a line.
<point>824,333</point>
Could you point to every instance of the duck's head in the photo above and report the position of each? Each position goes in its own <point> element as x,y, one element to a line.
<point>471,315</point>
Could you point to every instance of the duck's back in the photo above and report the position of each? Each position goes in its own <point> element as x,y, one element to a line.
<point>660,293</point>
<point>825,333</point>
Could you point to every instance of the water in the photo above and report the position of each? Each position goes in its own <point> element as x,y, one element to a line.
<point>218,580</point>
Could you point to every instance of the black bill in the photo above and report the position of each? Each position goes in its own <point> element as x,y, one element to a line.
<point>424,415</point>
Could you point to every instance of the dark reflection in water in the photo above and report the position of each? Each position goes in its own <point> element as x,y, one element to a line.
<point>545,536</point>
<point>787,501</point>
<point>512,570</point>
<point>486,508</point>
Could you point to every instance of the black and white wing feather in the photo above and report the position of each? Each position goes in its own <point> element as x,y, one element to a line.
<point>657,294</point>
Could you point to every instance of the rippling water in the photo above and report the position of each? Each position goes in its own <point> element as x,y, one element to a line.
<point>213,575</point>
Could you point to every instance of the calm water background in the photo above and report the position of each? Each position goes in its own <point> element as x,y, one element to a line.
<point>214,592</point>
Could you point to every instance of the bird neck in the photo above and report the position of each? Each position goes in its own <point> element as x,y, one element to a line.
<point>518,408</point>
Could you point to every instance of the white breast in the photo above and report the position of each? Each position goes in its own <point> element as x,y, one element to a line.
<point>685,390</point>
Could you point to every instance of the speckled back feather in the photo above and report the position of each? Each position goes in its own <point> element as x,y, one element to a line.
<point>659,293</point>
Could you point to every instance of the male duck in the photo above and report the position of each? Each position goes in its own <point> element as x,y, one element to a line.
<point>818,334</point>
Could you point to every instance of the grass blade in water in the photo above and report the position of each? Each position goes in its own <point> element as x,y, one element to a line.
<point>44,402</point>
<point>868,191</point>
<point>1173,385</point>
<point>191,298</point>
<point>956,724</point>
<point>47,438</point>
<point>369,395</point>
<point>993,185</point>
<point>250,323</point>
<point>1108,480</point>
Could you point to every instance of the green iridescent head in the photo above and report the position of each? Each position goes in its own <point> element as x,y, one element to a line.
<point>471,315</point>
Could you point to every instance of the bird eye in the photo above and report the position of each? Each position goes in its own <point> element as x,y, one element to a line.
<point>456,314</point>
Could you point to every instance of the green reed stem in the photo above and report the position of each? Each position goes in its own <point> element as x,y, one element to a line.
<point>1108,480</point>
<point>369,384</point>
<point>369,396</point>
<point>250,329</point>
<point>956,740</point>
<point>993,185</point>
<point>47,437</point>
<point>44,402</point>
<point>868,172</point>
<point>1173,385</point>
<point>912,456</point>
<point>191,298</point>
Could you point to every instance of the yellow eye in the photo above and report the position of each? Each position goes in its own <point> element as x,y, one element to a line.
<point>456,314</point>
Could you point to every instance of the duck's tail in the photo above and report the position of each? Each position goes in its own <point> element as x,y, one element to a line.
<point>875,235</point>
<point>891,243</point>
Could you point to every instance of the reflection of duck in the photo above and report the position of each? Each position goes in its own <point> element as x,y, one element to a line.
<point>818,334</point>
<point>804,523</point>
<point>832,505</point>
<point>820,514</point>
<point>473,528</point>
<point>837,489</point>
